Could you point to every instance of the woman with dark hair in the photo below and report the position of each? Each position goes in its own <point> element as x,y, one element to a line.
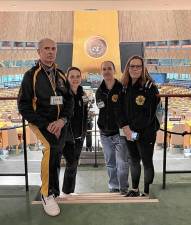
<point>77,127</point>
<point>139,122</point>
<point>114,146</point>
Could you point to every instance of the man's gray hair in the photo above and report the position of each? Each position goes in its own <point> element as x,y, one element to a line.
<point>40,43</point>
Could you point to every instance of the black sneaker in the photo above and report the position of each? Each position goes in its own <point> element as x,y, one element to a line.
<point>123,191</point>
<point>113,190</point>
<point>132,193</point>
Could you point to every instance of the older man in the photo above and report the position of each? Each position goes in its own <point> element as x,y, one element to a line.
<point>46,103</point>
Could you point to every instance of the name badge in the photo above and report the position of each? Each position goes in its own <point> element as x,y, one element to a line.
<point>121,133</point>
<point>100,105</point>
<point>56,100</point>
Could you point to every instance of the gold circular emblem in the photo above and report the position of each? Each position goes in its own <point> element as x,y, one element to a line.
<point>95,47</point>
<point>140,100</point>
<point>114,98</point>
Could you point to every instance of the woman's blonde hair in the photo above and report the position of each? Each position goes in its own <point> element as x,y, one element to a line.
<point>145,76</point>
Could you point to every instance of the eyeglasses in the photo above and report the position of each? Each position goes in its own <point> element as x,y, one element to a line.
<point>137,67</point>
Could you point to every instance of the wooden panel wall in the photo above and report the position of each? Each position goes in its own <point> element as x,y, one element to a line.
<point>33,26</point>
<point>154,25</point>
<point>133,25</point>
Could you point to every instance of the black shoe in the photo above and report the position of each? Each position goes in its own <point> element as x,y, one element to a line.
<point>113,190</point>
<point>132,193</point>
<point>123,191</point>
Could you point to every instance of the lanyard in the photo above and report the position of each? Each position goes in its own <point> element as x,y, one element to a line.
<point>52,81</point>
<point>53,84</point>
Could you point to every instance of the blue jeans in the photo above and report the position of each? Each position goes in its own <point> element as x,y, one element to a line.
<point>117,160</point>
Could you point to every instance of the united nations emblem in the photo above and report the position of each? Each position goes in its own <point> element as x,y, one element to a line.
<point>95,47</point>
<point>140,100</point>
<point>114,98</point>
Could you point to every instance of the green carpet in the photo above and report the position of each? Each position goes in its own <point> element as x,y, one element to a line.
<point>174,207</point>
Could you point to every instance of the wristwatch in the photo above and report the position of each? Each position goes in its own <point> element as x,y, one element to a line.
<point>64,119</point>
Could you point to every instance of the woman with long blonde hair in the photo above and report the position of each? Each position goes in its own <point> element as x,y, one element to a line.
<point>139,121</point>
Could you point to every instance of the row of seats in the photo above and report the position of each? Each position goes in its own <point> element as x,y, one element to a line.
<point>13,137</point>
<point>177,108</point>
<point>176,140</point>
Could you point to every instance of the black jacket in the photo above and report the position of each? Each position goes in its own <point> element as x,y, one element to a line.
<point>79,118</point>
<point>35,93</point>
<point>108,104</point>
<point>138,109</point>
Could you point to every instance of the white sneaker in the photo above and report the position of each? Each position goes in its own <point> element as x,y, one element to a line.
<point>73,194</point>
<point>63,195</point>
<point>50,205</point>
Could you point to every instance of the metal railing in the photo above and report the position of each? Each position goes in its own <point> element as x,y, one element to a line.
<point>96,147</point>
<point>25,174</point>
<point>165,171</point>
<point>95,133</point>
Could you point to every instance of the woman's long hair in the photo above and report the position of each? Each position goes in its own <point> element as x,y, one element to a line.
<point>145,76</point>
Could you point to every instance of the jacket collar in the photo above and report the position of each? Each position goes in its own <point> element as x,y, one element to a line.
<point>104,88</point>
<point>80,91</point>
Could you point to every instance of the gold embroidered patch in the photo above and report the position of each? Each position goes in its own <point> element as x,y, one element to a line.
<point>114,98</point>
<point>140,100</point>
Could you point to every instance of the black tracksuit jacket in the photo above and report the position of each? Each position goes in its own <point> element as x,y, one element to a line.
<point>44,112</point>
<point>108,114</point>
<point>79,118</point>
<point>138,109</point>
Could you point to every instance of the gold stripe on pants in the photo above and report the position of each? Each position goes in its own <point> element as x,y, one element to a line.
<point>45,160</point>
